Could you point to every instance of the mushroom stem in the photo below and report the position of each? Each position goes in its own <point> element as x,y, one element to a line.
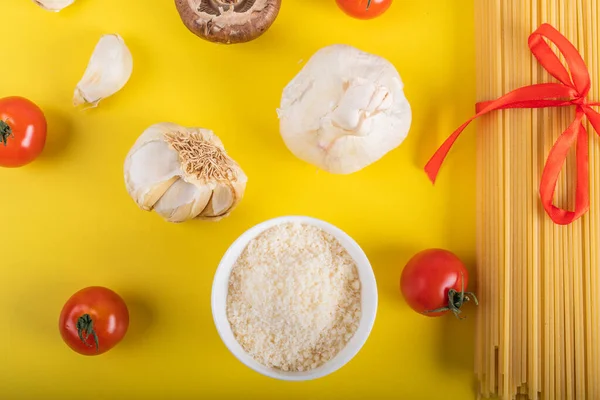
<point>227,4</point>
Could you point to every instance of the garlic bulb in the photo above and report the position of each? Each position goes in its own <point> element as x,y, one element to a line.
<point>108,70</point>
<point>344,110</point>
<point>54,5</point>
<point>183,173</point>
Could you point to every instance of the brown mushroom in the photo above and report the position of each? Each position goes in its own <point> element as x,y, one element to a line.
<point>228,21</point>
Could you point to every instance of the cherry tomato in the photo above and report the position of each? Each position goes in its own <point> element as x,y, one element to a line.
<point>364,9</point>
<point>93,320</point>
<point>22,131</point>
<point>434,281</point>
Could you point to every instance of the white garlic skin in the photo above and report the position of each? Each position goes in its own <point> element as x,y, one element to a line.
<point>54,5</point>
<point>154,178</point>
<point>344,110</point>
<point>107,72</point>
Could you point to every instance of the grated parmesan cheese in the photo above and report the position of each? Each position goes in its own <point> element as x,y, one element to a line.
<point>294,297</point>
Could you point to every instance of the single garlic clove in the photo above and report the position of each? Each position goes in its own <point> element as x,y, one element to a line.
<point>150,169</point>
<point>212,215</point>
<point>54,5</point>
<point>239,186</point>
<point>108,70</point>
<point>220,203</point>
<point>201,201</point>
<point>237,189</point>
<point>155,192</point>
<point>183,201</point>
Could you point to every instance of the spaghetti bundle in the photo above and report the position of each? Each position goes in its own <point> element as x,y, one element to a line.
<point>538,324</point>
<point>538,327</point>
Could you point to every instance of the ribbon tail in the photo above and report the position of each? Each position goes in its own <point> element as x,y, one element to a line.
<point>576,132</point>
<point>432,168</point>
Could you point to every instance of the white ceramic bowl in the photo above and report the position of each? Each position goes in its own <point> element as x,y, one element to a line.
<point>368,301</point>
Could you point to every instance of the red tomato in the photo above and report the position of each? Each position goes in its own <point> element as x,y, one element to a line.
<point>93,320</point>
<point>364,9</point>
<point>22,131</point>
<point>434,281</point>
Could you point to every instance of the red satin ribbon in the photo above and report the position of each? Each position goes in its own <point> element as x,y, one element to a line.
<point>571,91</point>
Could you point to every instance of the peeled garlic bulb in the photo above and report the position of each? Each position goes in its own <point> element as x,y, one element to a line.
<point>344,110</point>
<point>108,70</point>
<point>183,173</point>
<point>54,5</point>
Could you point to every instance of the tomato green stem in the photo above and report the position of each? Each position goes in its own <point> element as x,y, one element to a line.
<point>5,132</point>
<point>368,4</point>
<point>456,300</point>
<point>85,324</point>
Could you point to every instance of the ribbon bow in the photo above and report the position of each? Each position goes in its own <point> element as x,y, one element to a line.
<point>572,90</point>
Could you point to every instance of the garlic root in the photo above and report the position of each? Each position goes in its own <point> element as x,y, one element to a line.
<point>183,173</point>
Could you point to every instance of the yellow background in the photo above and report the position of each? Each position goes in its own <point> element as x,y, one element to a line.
<point>67,222</point>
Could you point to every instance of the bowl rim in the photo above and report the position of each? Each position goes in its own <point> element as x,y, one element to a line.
<point>368,313</point>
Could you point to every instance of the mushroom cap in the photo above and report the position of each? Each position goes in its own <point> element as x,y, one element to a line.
<point>228,21</point>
